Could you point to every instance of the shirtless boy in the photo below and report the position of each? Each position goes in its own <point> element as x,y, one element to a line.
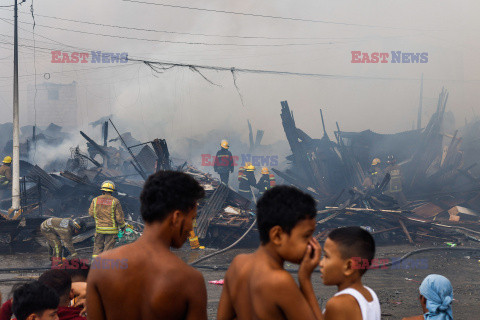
<point>149,281</point>
<point>256,285</point>
<point>341,267</point>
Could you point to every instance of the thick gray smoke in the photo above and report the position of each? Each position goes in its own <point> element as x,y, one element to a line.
<point>193,114</point>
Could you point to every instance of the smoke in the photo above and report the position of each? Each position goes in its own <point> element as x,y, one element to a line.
<point>193,115</point>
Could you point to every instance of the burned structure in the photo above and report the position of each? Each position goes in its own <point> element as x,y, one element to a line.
<point>425,191</point>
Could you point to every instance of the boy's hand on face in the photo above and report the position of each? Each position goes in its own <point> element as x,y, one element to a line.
<point>310,260</point>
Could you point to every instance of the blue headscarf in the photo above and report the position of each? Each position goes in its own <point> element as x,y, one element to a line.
<point>439,294</point>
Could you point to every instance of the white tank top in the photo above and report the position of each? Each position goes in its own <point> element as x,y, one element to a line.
<point>370,310</point>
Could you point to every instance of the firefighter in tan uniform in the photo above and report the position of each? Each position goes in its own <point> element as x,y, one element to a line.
<point>6,173</point>
<point>109,219</point>
<point>395,186</point>
<point>59,231</point>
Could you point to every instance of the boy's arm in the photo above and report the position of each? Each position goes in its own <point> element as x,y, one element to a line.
<point>309,264</point>
<point>288,297</point>
<point>225,307</point>
<point>343,307</point>
<point>197,297</point>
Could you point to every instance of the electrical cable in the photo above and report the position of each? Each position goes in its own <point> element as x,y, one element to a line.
<point>12,5</point>
<point>185,42</point>
<point>270,16</point>
<point>185,33</point>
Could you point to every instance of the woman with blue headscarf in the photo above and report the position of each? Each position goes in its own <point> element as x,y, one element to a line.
<point>436,295</point>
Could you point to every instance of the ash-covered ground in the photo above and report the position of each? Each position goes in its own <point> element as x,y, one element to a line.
<point>397,288</point>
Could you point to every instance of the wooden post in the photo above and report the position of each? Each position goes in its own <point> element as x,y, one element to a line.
<point>406,231</point>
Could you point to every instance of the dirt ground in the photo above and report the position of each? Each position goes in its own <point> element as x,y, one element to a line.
<point>397,288</point>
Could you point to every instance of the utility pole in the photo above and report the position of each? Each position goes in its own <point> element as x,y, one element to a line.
<point>16,126</point>
<point>419,118</point>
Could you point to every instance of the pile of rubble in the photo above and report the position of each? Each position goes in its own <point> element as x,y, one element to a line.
<point>440,189</point>
<point>222,214</point>
<point>442,195</point>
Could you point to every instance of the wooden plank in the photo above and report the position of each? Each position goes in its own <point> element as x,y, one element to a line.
<point>404,228</point>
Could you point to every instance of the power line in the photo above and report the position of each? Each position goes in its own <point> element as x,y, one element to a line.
<point>66,45</point>
<point>270,16</point>
<point>185,33</point>
<point>12,5</point>
<point>183,42</point>
<point>164,65</point>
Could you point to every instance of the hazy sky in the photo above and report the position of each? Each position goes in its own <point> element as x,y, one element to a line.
<point>180,103</point>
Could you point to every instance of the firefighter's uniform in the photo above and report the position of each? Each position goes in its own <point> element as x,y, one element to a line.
<point>108,214</point>
<point>395,186</point>
<point>58,231</point>
<point>247,179</point>
<point>266,181</point>
<point>223,164</point>
<point>375,176</point>
<point>6,173</point>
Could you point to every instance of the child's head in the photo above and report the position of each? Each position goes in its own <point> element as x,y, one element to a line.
<point>35,300</point>
<point>347,253</point>
<point>78,270</point>
<point>436,296</point>
<point>286,218</point>
<point>60,281</point>
<point>171,197</point>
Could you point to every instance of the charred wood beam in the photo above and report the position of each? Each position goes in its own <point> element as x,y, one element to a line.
<point>250,136</point>
<point>163,155</point>
<point>139,169</point>
<point>212,207</point>
<point>37,174</point>
<point>404,228</point>
<point>258,137</point>
<point>94,144</point>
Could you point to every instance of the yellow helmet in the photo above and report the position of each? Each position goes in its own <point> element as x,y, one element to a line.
<point>108,186</point>
<point>375,161</point>
<point>7,159</point>
<point>265,170</point>
<point>250,167</point>
<point>224,144</point>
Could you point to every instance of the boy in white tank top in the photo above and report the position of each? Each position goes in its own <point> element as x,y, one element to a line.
<point>347,253</point>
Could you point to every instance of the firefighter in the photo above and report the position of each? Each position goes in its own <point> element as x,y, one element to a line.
<point>241,171</point>
<point>6,173</point>
<point>395,184</point>
<point>375,175</point>
<point>223,164</point>
<point>266,181</point>
<point>59,231</point>
<point>247,180</point>
<point>108,214</point>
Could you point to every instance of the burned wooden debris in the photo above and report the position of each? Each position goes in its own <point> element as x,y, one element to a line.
<point>426,192</point>
<point>224,215</point>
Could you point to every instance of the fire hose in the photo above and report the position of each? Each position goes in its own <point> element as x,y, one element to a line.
<point>208,256</point>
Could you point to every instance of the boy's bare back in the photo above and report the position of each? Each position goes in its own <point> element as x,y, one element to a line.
<point>256,289</point>
<point>155,285</point>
